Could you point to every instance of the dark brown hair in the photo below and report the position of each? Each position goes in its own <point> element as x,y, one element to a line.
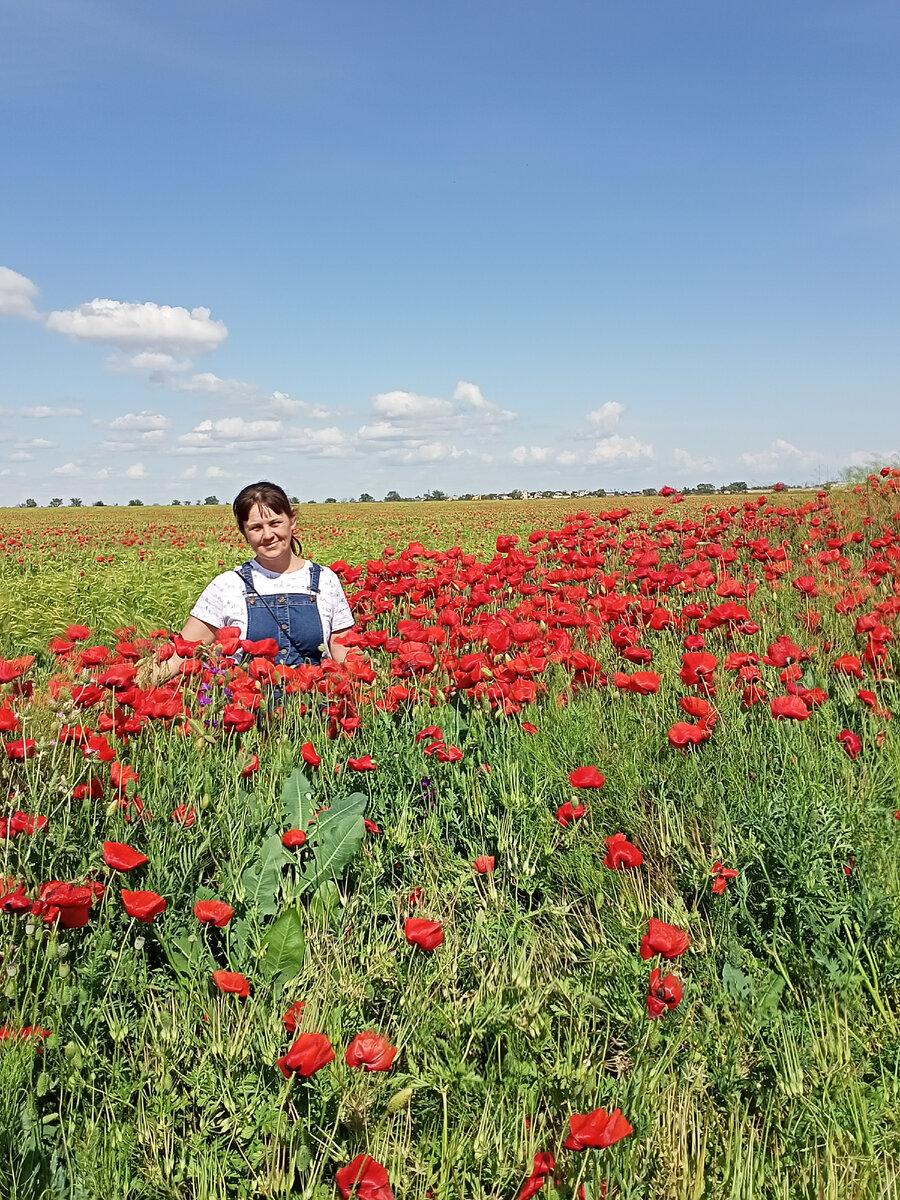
<point>266,495</point>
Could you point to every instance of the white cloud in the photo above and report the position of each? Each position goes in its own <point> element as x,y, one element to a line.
<point>217,473</point>
<point>17,295</point>
<point>147,362</point>
<point>424,452</point>
<point>688,462</point>
<point>529,455</point>
<point>470,396</point>
<point>780,453</point>
<point>607,416</point>
<point>382,431</point>
<point>190,473</point>
<point>143,420</point>
<point>67,469</point>
<point>42,412</point>
<point>617,449</point>
<point>38,444</point>
<point>136,471</point>
<point>21,456</point>
<point>409,405</point>
<point>865,458</point>
<point>160,328</point>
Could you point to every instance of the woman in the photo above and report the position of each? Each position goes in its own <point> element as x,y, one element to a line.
<point>277,593</point>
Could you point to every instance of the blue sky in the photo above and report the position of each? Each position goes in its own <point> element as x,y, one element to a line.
<point>367,245</point>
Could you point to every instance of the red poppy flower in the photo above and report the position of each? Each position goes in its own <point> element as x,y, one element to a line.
<point>485,864</point>
<point>362,764</point>
<point>527,727</point>
<point>308,753</point>
<point>621,853</point>
<point>184,815</point>
<point>251,767</point>
<point>567,813</point>
<point>684,734</point>
<point>722,874</point>
<point>294,838</point>
<point>143,906</point>
<point>233,982</point>
<point>851,742</point>
<point>789,708</point>
<point>78,633</point>
<point>215,912</point>
<point>664,939</point>
<point>293,1015</point>
<point>366,1178</point>
<point>20,750</point>
<point>427,934</point>
<point>309,1054</point>
<point>598,1128</point>
<point>15,668</point>
<point>848,664</point>
<point>371,826</point>
<point>122,857</point>
<point>237,718</point>
<point>665,993</point>
<point>372,1051</point>
<point>586,777</point>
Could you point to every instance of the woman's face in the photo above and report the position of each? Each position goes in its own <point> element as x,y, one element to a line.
<point>269,534</point>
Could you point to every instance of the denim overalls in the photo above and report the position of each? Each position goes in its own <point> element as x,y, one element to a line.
<point>291,618</point>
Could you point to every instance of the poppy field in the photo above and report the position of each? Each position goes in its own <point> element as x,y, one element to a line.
<point>579,878</point>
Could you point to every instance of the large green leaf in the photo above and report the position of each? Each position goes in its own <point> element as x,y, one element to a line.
<point>336,843</point>
<point>296,800</point>
<point>285,947</point>
<point>262,880</point>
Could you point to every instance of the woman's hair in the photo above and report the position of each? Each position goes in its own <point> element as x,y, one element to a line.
<point>266,495</point>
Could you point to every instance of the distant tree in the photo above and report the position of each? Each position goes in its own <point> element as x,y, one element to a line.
<point>516,494</point>
<point>135,504</point>
<point>56,502</point>
<point>176,502</point>
<point>211,500</point>
<point>365,498</point>
<point>705,489</point>
<point>294,499</point>
<point>437,494</point>
<point>393,496</point>
<point>330,500</point>
<point>738,486</point>
<point>31,503</point>
<point>648,491</point>
<point>99,504</point>
<point>599,492</point>
<point>75,502</point>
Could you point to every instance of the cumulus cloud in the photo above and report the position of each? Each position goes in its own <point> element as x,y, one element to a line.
<point>67,469</point>
<point>148,362</point>
<point>140,421</point>
<point>688,462</point>
<point>136,471</point>
<point>409,406</point>
<point>141,327</point>
<point>607,416</point>
<point>616,449</point>
<point>531,455</point>
<point>21,456</point>
<point>17,295</point>
<point>780,453</point>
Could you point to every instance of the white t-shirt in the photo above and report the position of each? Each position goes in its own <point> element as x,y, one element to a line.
<point>223,602</point>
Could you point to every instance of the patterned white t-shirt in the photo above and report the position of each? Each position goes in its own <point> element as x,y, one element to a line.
<point>223,602</point>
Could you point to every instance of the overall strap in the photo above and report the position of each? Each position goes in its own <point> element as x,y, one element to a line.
<point>244,573</point>
<point>314,572</point>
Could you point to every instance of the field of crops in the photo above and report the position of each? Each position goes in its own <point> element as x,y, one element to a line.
<point>580,878</point>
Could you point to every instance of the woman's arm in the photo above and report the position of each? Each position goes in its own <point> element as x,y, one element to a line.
<point>335,648</point>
